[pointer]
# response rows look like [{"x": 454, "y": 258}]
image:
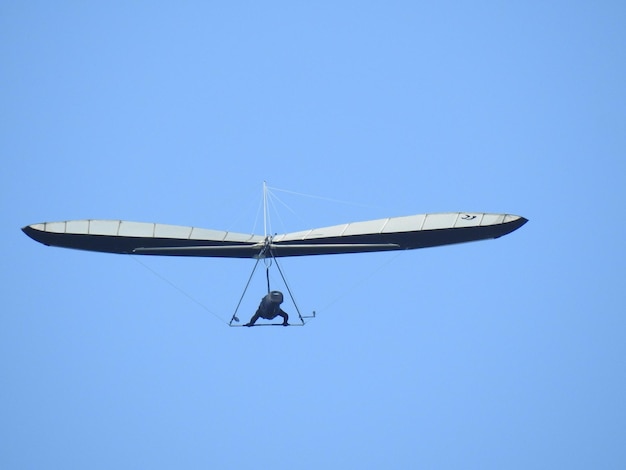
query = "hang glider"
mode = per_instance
[{"x": 394, "y": 233}]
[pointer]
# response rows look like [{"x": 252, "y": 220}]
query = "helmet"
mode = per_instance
[{"x": 276, "y": 297}]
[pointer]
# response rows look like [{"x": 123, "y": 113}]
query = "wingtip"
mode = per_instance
[
  {"x": 33, "y": 230},
  {"x": 511, "y": 224}
]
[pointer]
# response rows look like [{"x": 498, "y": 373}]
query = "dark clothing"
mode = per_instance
[{"x": 269, "y": 309}]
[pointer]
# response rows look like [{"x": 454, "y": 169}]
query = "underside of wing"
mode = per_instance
[
  {"x": 395, "y": 233},
  {"x": 117, "y": 236}
]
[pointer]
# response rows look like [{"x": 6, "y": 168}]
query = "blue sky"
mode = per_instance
[{"x": 507, "y": 353}]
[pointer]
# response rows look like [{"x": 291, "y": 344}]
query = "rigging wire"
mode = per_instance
[
  {"x": 273, "y": 200},
  {"x": 234, "y": 317},
  {"x": 271, "y": 197},
  {"x": 362, "y": 280},
  {"x": 265, "y": 212},
  {"x": 313, "y": 196},
  {"x": 256, "y": 218},
  {"x": 274, "y": 197},
  {"x": 288, "y": 290},
  {"x": 186, "y": 294}
]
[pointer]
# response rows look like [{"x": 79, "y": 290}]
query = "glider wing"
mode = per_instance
[
  {"x": 118, "y": 236},
  {"x": 397, "y": 233},
  {"x": 394, "y": 233}
]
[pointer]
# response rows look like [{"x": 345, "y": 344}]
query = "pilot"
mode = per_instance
[{"x": 269, "y": 308}]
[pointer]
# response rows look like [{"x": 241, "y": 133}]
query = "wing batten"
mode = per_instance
[{"x": 394, "y": 233}]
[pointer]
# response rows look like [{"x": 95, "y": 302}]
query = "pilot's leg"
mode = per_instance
[
  {"x": 254, "y": 318},
  {"x": 283, "y": 314}
]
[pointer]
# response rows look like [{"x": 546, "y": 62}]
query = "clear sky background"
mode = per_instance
[{"x": 506, "y": 353}]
